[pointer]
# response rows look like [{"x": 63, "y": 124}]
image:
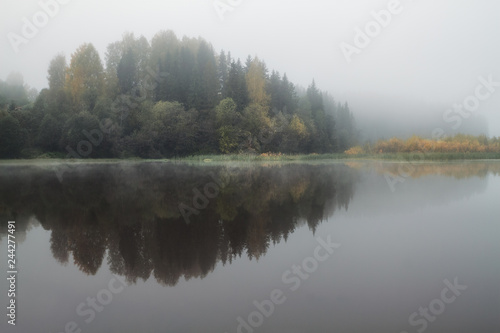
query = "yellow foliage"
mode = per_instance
[
  {"x": 457, "y": 144},
  {"x": 256, "y": 83},
  {"x": 84, "y": 76},
  {"x": 271, "y": 155},
  {"x": 297, "y": 127},
  {"x": 355, "y": 151}
]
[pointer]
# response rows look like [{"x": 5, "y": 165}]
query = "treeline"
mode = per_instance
[
  {"x": 171, "y": 97},
  {"x": 459, "y": 143}
]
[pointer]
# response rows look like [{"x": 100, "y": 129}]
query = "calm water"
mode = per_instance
[{"x": 156, "y": 247}]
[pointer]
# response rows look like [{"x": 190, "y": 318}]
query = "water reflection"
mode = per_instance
[
  {"x": 457, "y": 170},
  {"x": 131, "y": 212},
  {"x": 123, "y": 218}
]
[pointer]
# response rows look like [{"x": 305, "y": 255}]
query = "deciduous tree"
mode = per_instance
[{"x": 84, "y": 78}]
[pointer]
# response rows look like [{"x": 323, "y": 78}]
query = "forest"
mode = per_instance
[{"x": 168, "y": 97}]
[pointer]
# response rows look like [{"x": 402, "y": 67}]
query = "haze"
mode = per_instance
[{"x": 428, "y": 58}]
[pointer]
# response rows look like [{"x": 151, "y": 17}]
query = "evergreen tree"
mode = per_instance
[
  {"x": 127, "y": 72},
  {"x": 236, "y": 85},
  {"x": 222, "y": 73},
  {"x": 206, "y": 86},
  {"x": 57, "y": 73},
  {"x": 289, "y": 96}
]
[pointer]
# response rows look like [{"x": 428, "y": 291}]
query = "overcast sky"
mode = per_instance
[{"x": 430, "y": 51}]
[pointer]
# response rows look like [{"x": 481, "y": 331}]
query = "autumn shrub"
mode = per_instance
[
  {"x": 459, "y": 143},
  {"x": 355, "y": 151}
]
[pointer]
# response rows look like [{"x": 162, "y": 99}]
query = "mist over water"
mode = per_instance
[{"x": 395, "y": 248}]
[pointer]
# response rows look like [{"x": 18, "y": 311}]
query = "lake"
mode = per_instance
[{"x": 354, "y": 246}]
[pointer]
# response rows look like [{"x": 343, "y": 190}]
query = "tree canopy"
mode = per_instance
[{"x": 168, "y": 97}]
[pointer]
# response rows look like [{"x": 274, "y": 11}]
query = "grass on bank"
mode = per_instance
[
  {"x": 342, "y": 156},
  {"x": 411, "y": 157}
]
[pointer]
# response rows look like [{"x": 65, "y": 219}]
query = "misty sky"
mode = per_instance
[{"x": 431, "y": 51}]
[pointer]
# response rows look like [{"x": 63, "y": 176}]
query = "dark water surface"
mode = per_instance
[{"x": 329, "y": 247}]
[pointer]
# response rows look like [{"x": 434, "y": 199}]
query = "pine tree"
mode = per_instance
[{"x": 236, "y": 85}]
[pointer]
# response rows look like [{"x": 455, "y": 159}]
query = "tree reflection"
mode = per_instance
[{"x": 130, "y": 211}]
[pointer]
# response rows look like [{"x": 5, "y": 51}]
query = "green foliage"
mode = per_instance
[
  {"x": 29, "y": 121},
  {"x": 227, "y": 121},
  {"x": 57, "y": 73},
  {"x": 226, "y": 114},
  {"x": 256, "y": 119},
  {"x": 296, "y": 136},
  {"x": 168, "y": 131},
  {"x": 257, "y": 127},
  {"x": 228, "y": 139},
  {"x": 127, "y": 62},
  {"x": 126, "y": 72},
  {"x": 315, "y": 98},
  {"x": 172, "y": 97},
  {"x": 181, "y": 131},
  {"x": 205, "y": 84},
  {"x": 84, "y": 128},
  {"x": 283, "y": 95},
  {"x": 223, "y": 73},
  {"x": 12, "y": 137},
  {"x": 49, "y": 134},
  {"x": 236, "y": 87}
]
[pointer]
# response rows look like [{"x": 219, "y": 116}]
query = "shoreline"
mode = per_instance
[{"x": 215, "y": 159}]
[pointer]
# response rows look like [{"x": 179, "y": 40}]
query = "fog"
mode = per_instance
[{"x": 429, "y": 56}]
